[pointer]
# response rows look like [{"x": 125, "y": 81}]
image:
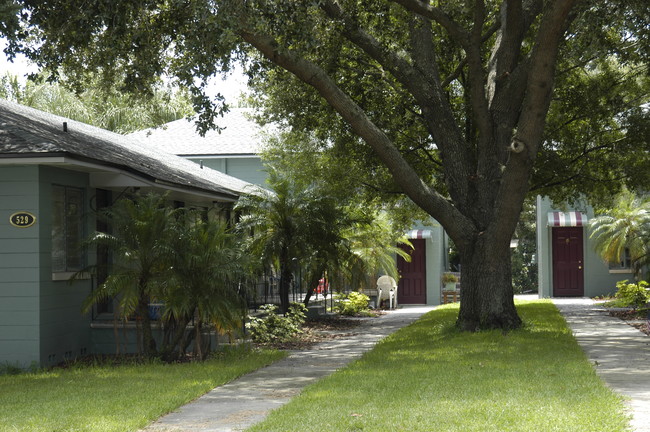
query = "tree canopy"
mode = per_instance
[
  {"x": 109, "y": 109},
  {"x": 447, "y": 100}
]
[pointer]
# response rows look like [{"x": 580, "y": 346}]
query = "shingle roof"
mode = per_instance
[
  {"x": 240, "y": 136},
  {"x": 26, "y": 132}
]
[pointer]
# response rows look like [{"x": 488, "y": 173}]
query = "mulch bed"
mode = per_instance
[{"x": 320, "y": 330}]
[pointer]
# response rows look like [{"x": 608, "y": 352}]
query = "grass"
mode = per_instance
[
  {"x": 114, "y": 398},
  {"x": 430, "y": 377}
]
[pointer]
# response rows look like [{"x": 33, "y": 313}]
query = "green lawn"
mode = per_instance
[
  {"x": 123, "y": 398},
  {"x": 429, "y": 377}
]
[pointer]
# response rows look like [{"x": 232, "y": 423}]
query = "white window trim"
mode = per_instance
[
  {"x": 66, "y": 276},
  {"x": 621, "y": 271}
]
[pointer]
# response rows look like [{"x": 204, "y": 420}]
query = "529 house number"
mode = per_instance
[{"x": 22, "y": 219}]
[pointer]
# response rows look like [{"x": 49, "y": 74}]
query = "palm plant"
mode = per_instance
[
  {"x": 204, "y": 287},
  {"x": 625, "y": 226},
  {"x": 274, "y": 219},
  {"x": 306, "y": 222},
  {"x": 326, "y": 250},
  {"x": 374, "y": 245},
  {"x": 139, "y": 244}
]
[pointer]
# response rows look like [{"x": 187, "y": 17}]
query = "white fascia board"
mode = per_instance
[
  {"x": 221, "y": 156},
  {"x": 33, "y": 160}
]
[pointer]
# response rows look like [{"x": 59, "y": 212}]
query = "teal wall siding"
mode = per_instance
[
  {"x": 598, "y": 278},
  {"x": 215, "y": 164},
  {"x": 65, "y": 331},
  {"x": 436, "y": 257},
  {"x": 19, "y": 268},
  {"x": 249, "y": 169}
]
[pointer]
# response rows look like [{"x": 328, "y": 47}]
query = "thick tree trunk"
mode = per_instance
[{"x": 486, "y": 295}]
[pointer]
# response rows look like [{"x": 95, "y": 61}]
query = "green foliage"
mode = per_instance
[
  {"x": 271, "y": 327},
  {"x": 630, "y": 294},
  {"x": 204, "y": 280},
  {"x": 108, "y": 109},
  {"x": 449, "y": 278},
  {"x": 305, "y": 219},
  {"x": 352, "y": 304},
  {"x": 286, "y": 223},
  {"x": 524, "y": 269},
  {"x": 374, "y": 242},
  {"x": 624, "y": 226},
  {"x": 140, "y": 244},
  {"x": 200, "y": 283},
  {"x": 13, "y": 369}
]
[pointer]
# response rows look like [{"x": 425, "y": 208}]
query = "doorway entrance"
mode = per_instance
[
  {"x": 568, "y": 262},
  {"x": 412, "y": 284}
]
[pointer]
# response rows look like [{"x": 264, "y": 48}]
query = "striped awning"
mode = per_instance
[
  {"x": 418, "y": 234},
  {"x": 566, "y": 219}
]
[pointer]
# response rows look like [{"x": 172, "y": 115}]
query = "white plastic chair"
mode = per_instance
[{"x": 387, "y": 290}]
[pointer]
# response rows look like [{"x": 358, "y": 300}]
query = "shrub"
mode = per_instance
[
  {"x": 449, "y": 278},
  {"x": 14, "y": 369},
  {"x": 635, "y": 295},
  {"x": 272, "y": 327},
  {"x": 353, "y": 304}
]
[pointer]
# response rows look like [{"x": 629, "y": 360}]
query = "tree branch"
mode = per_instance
[
  {"x": 425, "y": 197},
  {"x": 477, "y": 79},
  {"x": 457, "y": 72},
  {"x": 531, "y": 122},
  {"x": 458, "y": 33},
  {"x": 423, "y": 83}
]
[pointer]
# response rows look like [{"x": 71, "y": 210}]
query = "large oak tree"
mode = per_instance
[{"x": 452, "y": 98}]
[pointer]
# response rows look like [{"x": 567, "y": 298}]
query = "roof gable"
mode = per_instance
[
  {"x": 240, "y": 135},
  {"x": 27, "y": 132}
]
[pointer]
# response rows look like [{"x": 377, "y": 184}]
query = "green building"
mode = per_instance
[
  {"x": 567, "y": 263},
  {"x": 54, "y": 175}
]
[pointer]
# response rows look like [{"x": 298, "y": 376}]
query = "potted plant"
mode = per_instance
[{"x": 449, "y": 281}]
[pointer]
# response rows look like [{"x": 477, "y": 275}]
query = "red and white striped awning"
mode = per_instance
[
  {"x": 418, "y": 234},
  {"x": 566, "y": 219}
]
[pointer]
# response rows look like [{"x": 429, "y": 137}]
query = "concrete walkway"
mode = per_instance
[
  {"x": 619, "y": 352},
  {"x": 247, "y": 400}
]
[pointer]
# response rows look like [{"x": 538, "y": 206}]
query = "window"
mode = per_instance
[
  {"x": 625, "y": 265},
  {"x": 67, "y": 229}
]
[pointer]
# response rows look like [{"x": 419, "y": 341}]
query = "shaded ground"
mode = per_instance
[{"x": 639, "y": 319}]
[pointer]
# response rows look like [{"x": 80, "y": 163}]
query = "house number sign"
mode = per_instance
[{"x": 22, "y": 219}]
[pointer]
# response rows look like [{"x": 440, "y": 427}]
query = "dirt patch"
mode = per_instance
[{"x": 320, "y": 330}]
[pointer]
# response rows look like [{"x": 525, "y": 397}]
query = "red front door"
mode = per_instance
[
  {"x": 568, "y": 262},
  {"x": 412, "y": 284}
]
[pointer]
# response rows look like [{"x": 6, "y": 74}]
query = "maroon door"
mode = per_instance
[
  {"x": 412, "y": 284},
  {"x": 568, "y": 262}
]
